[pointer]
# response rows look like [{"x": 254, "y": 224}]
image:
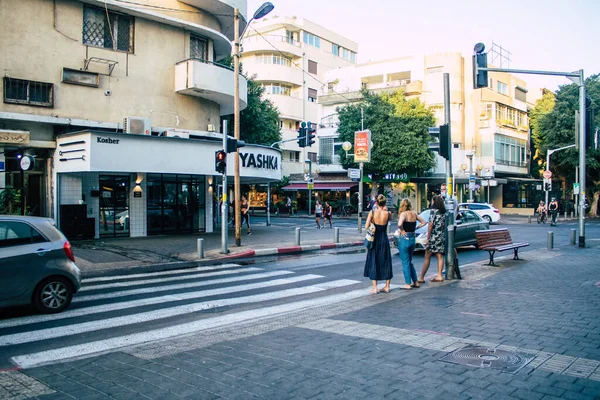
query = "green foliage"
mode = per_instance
[
  {"x": 276, "y": 188},
  {"x": 399, "y": 129},
  {"x": 259, "y": 121},
  {"x": 543, "y": 107},
  {"x": 10, "y": 199},
  {"x": 557, "y": 129}
]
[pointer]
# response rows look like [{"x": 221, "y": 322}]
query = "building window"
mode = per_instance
[
  {"x": 352, "y": 56},
  {"x": 289, "y": 37},
  {"x": 276, "y": 88},
  {"x": 486, "y": 111},
  {"x": 312, "y": 95},
  {"x": 502, "y": 88},
  {"x": 198, "y": 47},
  {"x": 32, "y": 93},
  {"x": 280, "y": 124},
  {"x": 335, "y": 49},
  {"x": 312, "y": 67},
  {"x": 326, "y": 150},
  {"x": 510, "y": 151},
  {"x": 312, "y": 156},
  {"x": 294, "y": 156},
  {"x": 273, "y": 59},
  {"x": 114, "y": 32},
  {"x": 311, "y": 39}
]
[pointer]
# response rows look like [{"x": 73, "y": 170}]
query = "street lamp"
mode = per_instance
[
  {"x": 263, "y": 10},
  {"x": 471, "y": 176}
]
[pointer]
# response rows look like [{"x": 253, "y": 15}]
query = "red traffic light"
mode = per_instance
[
  {"x": 220, "y": 161},
  {"x": 221, "y": 155}
]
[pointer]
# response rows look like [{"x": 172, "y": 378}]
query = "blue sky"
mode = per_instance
[{"x": 546, "y": 35}]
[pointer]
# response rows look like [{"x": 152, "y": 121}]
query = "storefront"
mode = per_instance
[{"x": 112, "y": 185}]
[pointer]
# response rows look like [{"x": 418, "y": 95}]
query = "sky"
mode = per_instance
[{"x": 549, "y": 35}]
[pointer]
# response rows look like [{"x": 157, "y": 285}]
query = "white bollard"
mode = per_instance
[
  {"x": 297, "y": 236},
  {"x": 550, "y": 239},
  {"x": 336, "y": 235},
  {"x": 201, "y": 248}
]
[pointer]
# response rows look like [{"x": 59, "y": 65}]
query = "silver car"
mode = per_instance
[
  {"x": 467, "y": 222},
  {"x": 37, "y": 265}
]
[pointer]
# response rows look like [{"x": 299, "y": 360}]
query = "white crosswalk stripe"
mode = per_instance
[{"x": 113, "y": 312}]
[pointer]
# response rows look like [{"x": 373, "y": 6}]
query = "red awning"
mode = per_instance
[{"x": 322, "y": 186}]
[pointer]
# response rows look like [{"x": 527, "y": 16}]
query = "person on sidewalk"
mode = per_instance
[
  {"x": 318, "y": 213},
  {"x": 378, "y": 265},
  {"x": 327, "y": 214},
  {"x": 245, "y": 207},
  {"x": 288, "y": 206},
  {"x": 436, "y": 239},
  {"x": 407, "y": 223},
  {"x": 553, "y": 209}
]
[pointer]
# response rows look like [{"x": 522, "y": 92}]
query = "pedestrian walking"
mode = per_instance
[
  {"x": 436, "y": 239},
  {"x": 407, "y": 223},
  {"x": 318, "y": 213},
  {"x": 378, "y": 265},
  {"x": 245, "y": 207},
  {"x": 553, "y": 209},
  {"x": 327, "y": 214},
  {"x": 288, "y": 206}
]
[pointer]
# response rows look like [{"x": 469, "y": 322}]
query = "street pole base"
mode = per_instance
[
  {"x": 582, "y": 241},
  {"x": 238, "y": 242}
]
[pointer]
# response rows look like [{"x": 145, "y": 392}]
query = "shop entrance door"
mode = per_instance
[{"x": 114, "y": 206}]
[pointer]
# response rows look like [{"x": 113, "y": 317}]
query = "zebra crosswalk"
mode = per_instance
[{"x": 114, "y": 312}]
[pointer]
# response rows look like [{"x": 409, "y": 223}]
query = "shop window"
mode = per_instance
[
  {"x": 107, "y": 29},
  {"x": 20, "y": 91}
]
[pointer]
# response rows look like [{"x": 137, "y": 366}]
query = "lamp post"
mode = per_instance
[
  {"x": 471, "y": 176},
  {"x": 263, "y": 10},
  {"x": 309, "y": 162}
]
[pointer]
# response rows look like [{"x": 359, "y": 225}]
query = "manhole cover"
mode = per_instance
[{"x": 486, "y": 357}]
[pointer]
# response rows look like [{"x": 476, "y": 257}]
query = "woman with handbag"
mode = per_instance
[
  {"x": 407, "y": 224},
  {"x": 378, "y": 265}
]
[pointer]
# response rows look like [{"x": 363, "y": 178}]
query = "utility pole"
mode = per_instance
[
  {"x": 361, "y": 165},
  {"x": 450, "y": 271},
  {"x": 224, "y": 205},
  {"x": 236, "y": 125},
  {"x": 582, "y": 149}
]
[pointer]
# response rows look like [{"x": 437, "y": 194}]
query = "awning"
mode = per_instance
[{"x": 322, "y": 186}]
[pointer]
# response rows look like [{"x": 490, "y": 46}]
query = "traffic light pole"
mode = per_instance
[
  {"x": 450, "y": 271},
  {"x": 224, "y": 206},
  {"x": 578, "y": 78}
]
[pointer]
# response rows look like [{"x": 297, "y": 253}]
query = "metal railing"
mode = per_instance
[
  {"x": 207, "y": 62},
  {"x": 271, "y": 38}
]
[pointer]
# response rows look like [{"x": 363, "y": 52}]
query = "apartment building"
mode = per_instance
[
  {"x": 489, "y": 125},
  {"x": 111, "y": 110},
  {"x": 290, "y": 56}
]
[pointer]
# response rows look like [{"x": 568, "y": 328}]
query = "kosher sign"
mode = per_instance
[{"x": 362, "y": 146}]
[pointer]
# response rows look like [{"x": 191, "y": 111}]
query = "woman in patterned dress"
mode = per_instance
[{"x": 436, "y": 239}]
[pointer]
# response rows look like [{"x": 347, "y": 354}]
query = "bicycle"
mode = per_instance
[
  {"x": 542, "y": 218},
  {"x": 343, "y": 211}
]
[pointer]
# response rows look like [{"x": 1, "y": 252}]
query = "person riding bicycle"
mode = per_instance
[{"x": 542, "y": 209}]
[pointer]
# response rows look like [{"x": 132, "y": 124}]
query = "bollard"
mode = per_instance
[
  {"x": 571, "y": 214},
  {"x": 336, "y": 235},
  {"x": 201, "y": 248},
  {"x": 529, "y": 219},
  {"x": 297, "y": 236},
  {"x": 573, "y": 235},
  {"x": 550, "y": 240},
  {"x": 565, "y": 215}
]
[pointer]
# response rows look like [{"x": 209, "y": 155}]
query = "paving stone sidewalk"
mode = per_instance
[{"x": 385, "y": 346}]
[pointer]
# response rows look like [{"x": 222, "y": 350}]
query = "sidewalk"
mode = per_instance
[{"x": 109, "y": 256}]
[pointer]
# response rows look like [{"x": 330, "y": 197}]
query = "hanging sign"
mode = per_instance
[{"x": 362, "y": 146}]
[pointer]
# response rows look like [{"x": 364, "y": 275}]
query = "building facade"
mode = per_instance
[
  {"x": 117, "y": 106},
  {"x": 490, "y": 128}
]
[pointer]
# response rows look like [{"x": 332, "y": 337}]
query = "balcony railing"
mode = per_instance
[{"x": 271, "y": 38}]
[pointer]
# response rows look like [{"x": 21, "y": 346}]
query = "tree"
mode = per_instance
[
  {"x": 399, "y": 128},
  {"x": 557, "y": 129},
  {"x": 543, "y": 106},
  {"x": 259, "y": 121}
]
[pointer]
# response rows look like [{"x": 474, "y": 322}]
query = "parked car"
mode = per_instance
[
  {"x": 467, "y": 222},
  {"x": 37, "y": 265},
  {"x": 487, "y": 211}
]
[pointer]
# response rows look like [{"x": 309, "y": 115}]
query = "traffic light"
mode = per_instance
[
  {"x": 480, "y": 77},
  {"x": 302, "y": 135},
  {"x": 310, "y": 135},
  {"x": 220, "y": 161},
  {"x": 548, "y": 186},
  {"x": 442, "y": 146},
  {"x": 233, "y": 144}
]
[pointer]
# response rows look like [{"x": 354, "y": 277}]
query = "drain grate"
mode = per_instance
[{"x": 486, "y": 357}]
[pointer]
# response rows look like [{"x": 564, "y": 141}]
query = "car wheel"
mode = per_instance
[
  {"x": 488, "y": 219},
  {"x": 53, "y": 295}
]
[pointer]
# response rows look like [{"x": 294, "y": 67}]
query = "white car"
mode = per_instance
[{"x": 486, "y": 211}]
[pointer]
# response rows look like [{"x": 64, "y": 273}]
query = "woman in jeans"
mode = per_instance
[{"x": 407, "y": 223}]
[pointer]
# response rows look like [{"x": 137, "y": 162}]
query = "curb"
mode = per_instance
[{"x": 288, "y": 250}]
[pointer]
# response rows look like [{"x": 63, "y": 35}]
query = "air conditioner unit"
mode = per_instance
[
  {"x": 177, "y": 133},
  {"x": 137, "y": 126}
]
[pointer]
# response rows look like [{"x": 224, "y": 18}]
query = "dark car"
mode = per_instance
[
  {"x": 467, "y": 222},
  {"x": 37, "y": 265}
]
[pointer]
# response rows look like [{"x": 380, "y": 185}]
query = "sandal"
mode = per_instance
[
  {"x": 437, "y": 280},
  {"x": 384, "y": 290},
  {"x": 374, "y": 291},
  {"x": 406, "y": 287},
  {"x": 415, "y": 285},
  {"x": 421, "y": 281}
]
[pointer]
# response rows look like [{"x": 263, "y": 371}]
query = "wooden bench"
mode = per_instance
[{"x": 494, "y": 240}]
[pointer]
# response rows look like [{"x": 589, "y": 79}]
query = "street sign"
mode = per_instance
[
  {"x": 576, "y": 188},
  {"x": 489, "y": 182},
  {"x": 472, "y": 182},
  {"x": 547, "y": 174},
  {"x": 449, "y": 186},
  {"x": 311, "y": 186},
  {"x": 353, "y": 173}
]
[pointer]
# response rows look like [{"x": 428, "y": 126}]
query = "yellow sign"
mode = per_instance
[
  {"x": 311, "y": 186},
  {"x": 224, "y": 197},
  {"x": 362, "y": 146},
  {"x": 449, "y": 186}
]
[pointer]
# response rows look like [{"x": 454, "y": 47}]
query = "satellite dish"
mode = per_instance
[{"x": 479, "y": 48}]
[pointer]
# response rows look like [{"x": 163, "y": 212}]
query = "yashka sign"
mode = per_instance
[{"x": 362, "y": 146}]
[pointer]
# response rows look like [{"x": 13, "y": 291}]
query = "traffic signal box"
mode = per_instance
[
  {"x": 442, "y": 145},
  {"x": 220, "y": 161},
  {"x": 480, "y": 78},
  {"x": 302, "y": 135},
  {"x": 310, "y": 135}
]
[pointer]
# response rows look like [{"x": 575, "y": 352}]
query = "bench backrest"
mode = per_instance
[{"x": 493, "y": 237}]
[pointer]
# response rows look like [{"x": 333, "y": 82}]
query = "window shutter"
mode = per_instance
[
  {"x": 312, "y": 67},
  {"x": 312, "y": 93}
]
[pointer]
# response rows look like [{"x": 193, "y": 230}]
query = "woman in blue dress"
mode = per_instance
[{"x": 378, "y": 265}]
